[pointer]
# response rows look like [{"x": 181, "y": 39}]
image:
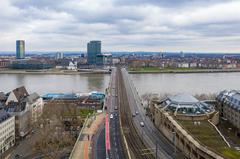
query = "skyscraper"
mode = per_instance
[
  {"x": 93, "y": 50},
  {"x": 20, "y": 49},
  {"x": 59, "y": 55}
]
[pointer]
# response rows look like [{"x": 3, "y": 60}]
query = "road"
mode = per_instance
[
  {"x": 151, "y": 136},
  {"x": 99, "y": 151},
  {"x": 116, "y": 151}
]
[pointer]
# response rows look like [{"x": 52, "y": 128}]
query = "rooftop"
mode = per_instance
[
  {"x": 207, "y": 135},
  {"x": 186, "y": 104},
  {"x": 231, "y": 97},
  {"x": 20, "y": 93},
  {"x": 183, "y": 98},
  {"x": 3, "y": 115}
]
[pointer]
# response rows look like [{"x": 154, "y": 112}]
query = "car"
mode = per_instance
[
  {"x": 142, "y": 124},
  {"x": 133, "y": 115},
  {"x": 115, "y": 107},
  {"x": 111, "y": 116},
  {"x": 137, "y": 112}
]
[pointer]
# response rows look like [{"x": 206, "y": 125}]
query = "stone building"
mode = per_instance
[
  {"x": 175, "y": 116},
  {"x": 228, "y": 104},
  {"x": 7, "y": 131},
  {"x": 25, "y": 107}
]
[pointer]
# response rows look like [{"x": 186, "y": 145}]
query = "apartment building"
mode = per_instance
[
  {"x": 228, "y": 104},
  {"x": 7, "y": 131}
]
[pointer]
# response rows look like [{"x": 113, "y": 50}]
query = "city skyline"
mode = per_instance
[{"x": 189, "y": 26}]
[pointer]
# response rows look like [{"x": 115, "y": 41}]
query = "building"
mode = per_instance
[
  {"x": 31, "y": 64},
  {"x": 7, "y": 131},
  {"x": 25, "y": 107},
  {"x": 72, "y": 65},
  {"x": 228, "y": 104},
  {"x": 183, "y": 106},
  {"x": 20, "y": 49},
  {"x": 4, "y": 63},
  {"x": 93, "y": 50},
  {"x": 59, "y": 55},
  {"x": 183, "y": 119},
  {"x": 35, "y": 103}
]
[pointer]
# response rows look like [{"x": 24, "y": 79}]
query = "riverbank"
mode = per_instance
[
  {"x": 184, "y": 71},
  {"x": 53, "y": 72}
]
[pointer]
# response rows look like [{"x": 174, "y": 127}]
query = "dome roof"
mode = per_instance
[{"x": 186, "y": 104}]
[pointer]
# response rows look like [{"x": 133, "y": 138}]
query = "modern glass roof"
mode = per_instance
[{"x": 186, "y": 104}]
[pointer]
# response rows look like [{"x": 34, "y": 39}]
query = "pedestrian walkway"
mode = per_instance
[{"x": 82, "y": 149}]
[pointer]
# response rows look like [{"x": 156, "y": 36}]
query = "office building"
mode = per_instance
[
  {"x": 7, "y": 131},
  {"x": 59, "y": 55},
  {"x": 20, "y": 49},
  {"x": 93, "y": 50}
]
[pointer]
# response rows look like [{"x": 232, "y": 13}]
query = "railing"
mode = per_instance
[{"x": 75, "y": 145}]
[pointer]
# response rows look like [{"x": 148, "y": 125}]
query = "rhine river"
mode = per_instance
[
  {"x": 43, "y": 84},
  {"x": 194, "y": 83}
]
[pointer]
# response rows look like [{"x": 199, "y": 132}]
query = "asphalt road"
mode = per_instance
[
  {"x": 116, "y": 151},
  {"x": 99, "y": 144},
  {"x": 149, "y": 133}
]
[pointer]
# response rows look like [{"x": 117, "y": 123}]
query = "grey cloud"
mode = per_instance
[{"x": 140, "y": 24}]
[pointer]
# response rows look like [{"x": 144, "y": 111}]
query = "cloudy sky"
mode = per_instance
[{"x": 122, "y": 25}]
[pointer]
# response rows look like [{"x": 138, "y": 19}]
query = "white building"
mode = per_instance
[
  {"x": 59, "y": 55},
  {"x": 183, "y": 65},
  {"x": 26, "y": 109},
  {"x": 35, "y": 103},
  {"x": 72, "y": 66},
  {"x": 7, "y": 131}
]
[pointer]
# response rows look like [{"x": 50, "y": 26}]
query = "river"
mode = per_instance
[
  {"x": 194, "y": 83},
  {"x": 55, "y": 83}
]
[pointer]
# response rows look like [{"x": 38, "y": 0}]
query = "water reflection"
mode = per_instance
[
  {"x": 195, "y": 83},
  {"x": 54, "y": 83},
  {"x": 96, "y": 82}
]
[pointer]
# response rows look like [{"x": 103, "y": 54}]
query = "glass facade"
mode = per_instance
[
  {"x": 93, "y": 50},
  {"x": 20, "y": 49}
]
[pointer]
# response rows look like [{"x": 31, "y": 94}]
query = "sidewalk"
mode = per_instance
[{"x": 84, "y": 143}]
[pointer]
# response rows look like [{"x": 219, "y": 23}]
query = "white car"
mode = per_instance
[
  {"x": 111, "y": 116},
  {"x": 142, "y": 124}
]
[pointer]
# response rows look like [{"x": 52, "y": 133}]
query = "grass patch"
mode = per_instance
[
  {"x": 79, "y": 112},
  {"x": 231, "y": 153},
  {"x": 229, "y": 131},
  {"x": 206, "y": 134}
]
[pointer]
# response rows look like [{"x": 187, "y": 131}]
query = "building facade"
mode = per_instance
[
  {"x": 168, "y": 116},
  {"x": 7, "y": 131},
  {"x": 93, "y": 50},
  {"x": 25, "y": 107},
  {"x": 20, "y": 49},
  {"x": 228, "y": 104},
  {"x": 59, "y": 55}
]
